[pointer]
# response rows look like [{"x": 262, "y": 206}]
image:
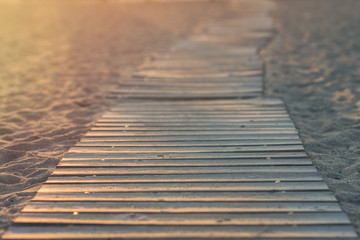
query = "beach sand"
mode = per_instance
[
  {"x": 58, "y": 59},
  {"x": 314, "y": 65}
]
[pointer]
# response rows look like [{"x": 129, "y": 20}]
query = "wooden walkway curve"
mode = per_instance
[{"x": 192, "y": 151}]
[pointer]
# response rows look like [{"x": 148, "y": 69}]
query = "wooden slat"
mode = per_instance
[
  {"x": 205, "y": 56},
  {"x": 190, "y": 85},
  {"x": 214, "y": 125},
  {"x": 219, "y": 138},
  {"x": 214, "y": 177},
  {"x": 204, "y": 143},
  {"x": 279, "y": 128},
  {"x": 230, "y": 49},
  {"x": 181, "y": 162},
  {"x": 181, "y": 94},
  {"x": 194, "y": 122},
  {"x": 177, "y": 112},
  {"x": 204, "y": 104},
  {"x": 206, "y": 68},
  {"x": 233, "y": 219},
  {"x": 192, "y": 117},
  {"x": 200, "y": 109},
  {"x": 186, "y": 91},
  {"x": 224, "y": 39},
  {"x": 271, "y": 103},
  {"x": 240, "y": 123},
  {"x": 184, "y": 186},
  {"x": 241, "y": 115},
  {"x": 254, "y": 81},
  {"x": 240, "y": 67},
  {"x": 289, "y": 232},
  {"x": 156, "y": 74},
  {"x": 188, "y": 134},
  {"x": 166, "y": 150},
  {"x": 178, "y": 207},
  {"x": 181, "y": 170},
  {"x": 200, "y": 131},
  {"x": 270, "y": 196},
  {"x": 240, "y": 50},
  {"x": 145, "y": 156}
]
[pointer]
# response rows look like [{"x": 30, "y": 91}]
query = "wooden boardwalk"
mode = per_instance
[
  {"x": 187, "y": 155},
  {"x": 225, "y": 169}
]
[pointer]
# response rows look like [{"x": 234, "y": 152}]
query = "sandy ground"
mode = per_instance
[
  {"x": 314, "y": 65},
  {"x": 57, "y": 61}
]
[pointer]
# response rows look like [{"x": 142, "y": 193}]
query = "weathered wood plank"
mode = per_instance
[
  {"x": 179, "y": 207},
  {"x": 243, "y": 63},
  {"x": 182, "y": 64},
  {"x": 190, "y": 117},
  {"x": 203, "y": 105},
  {"x": 214, "y": 126},
  {"x": 289, "y": 232},
  {"x": 156, "y": 74},
  {"x": 184, "y": 186},
  {"x": 240, "y": 130},
  {"x": 166, "y": 150},
  {"x": 131, "y": 93},
  {"x": 194, "y": 178},
  {"x": 205, "y": 112},
  {"x": 200, "y": 110},
  {"x": 203, "y": 57},
  {"x": 225, "y": 103},
  {"x": 206, "y": 59},
  {"x": 255, "y": 81},
  {"x": 229, "y": 49},
  {"x": 172, "y": 90},
  {"x": 235, "y": 83},
  {"x": 168, "y": 83},
  {"x": 148, "y": 156},
  {"x": 134, "y": 106},
  {"x": 181, "y": 170},
  {"x": 199, "y": 121},
  {"x": 122, "y": 127},
  {"x": 219, "y": 138},
  {"x": 257, "y": 103},
  {"x": 204, "y": 143},
  {"x": 199, "y": 124},
  {"x": 193, "y": 133},
  {"x": 233, "y": 219},
  {"x": 241, "y": 115},
  {"x": 240, "y": 51},
  {"x": 194, "y": 163},
  {"x": 273, "y": 196}
]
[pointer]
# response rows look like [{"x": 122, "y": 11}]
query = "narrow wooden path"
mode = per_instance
[{"x": 191, "y": 151}]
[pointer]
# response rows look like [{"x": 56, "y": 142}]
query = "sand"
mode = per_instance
[
  {"x": 314, "y": 65},
  {"x": 58, "y": 60}
]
